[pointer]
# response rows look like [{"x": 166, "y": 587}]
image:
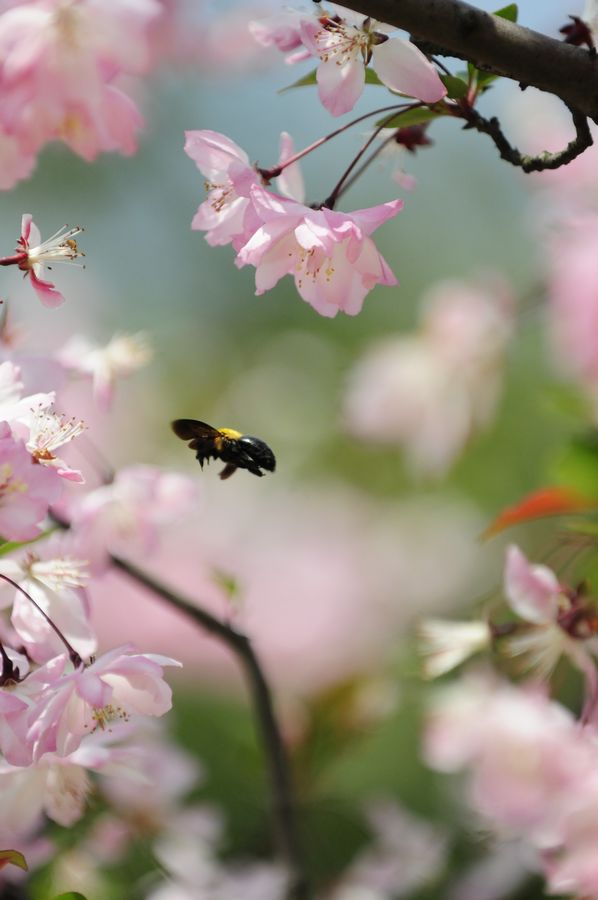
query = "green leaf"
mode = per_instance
[
  {"x": 410, "y": 117},
  {"x": 9, "y": 546},
  {"x": 456, "y": 87},
  {"x": 70, "y": 895},
  {"x": 311, "y": 78},
  {"x": 509, "y": 12},
  {"x": 577, "y": 467},
  {"x": 371, "y": 77},
  {"x": 304, "y": 81},
  {"x": 14, "y": 858}
]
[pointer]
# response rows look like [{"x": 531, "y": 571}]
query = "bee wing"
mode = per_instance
[{"x": 190, "y": 429}]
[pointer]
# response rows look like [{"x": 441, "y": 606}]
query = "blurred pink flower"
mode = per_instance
[
  {"x": 533, "y": 591},
  {"x": 406, "y": 853},
  {"x": 445, "y": 644},
  {"x": 560, "y": 622},
  {"x": 14, "y": 408},
  {"x": 26, "y": 489},
  {"x": 573, "y": 294},
  {"x": 126, "y": 515},
  {"x": 430, "y": 392},
  {"x": 531, "y": 771},
  {"x": 121, "y": 356},
  {"x": 524, "y": 751},
  {"x": 283, "y": 31},
  {"x": 325, "y": 568},
  {"x": 59, "y": 62},
  {"x": 344, "y": 49},
  {"x": 330, "y": 254}
]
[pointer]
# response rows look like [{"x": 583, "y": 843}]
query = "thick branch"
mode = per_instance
[
  {"x": 276, "y": 756},
  {"x": 496, "y": 44}
]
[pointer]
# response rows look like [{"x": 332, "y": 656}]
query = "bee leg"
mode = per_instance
[
  {"x": 228, "y": 470},
  {"x": 245, "y": 461}
]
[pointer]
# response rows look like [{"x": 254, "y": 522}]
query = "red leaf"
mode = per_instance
[
  {"x": 12, "y": 857},
  {"x": 548, "y": 501}
]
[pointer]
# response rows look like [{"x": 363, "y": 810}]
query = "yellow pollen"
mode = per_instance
[{"x": 104, "y": 715}]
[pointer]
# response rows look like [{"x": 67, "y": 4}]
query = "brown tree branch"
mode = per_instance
[
  {"x": 495, "y": 44},
  {"x": 277, "y": 762},
  {"x": 283, "y": 806},
  {"x": 545, "y": 160}
]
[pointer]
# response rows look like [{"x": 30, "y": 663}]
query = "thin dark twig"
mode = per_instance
[
  {"x": 277, "y": 762},
  {"x": 365, "y": 165},
  {"x": 338, "y": 188},
  {"x": 275, "y": 171},
  {"x": 491, "y": 127},
  {"x": 283, "y": 806},
  {"x": 73, "y": 655}
]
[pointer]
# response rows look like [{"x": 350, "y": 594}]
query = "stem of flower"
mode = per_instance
[
  {"x": 374, "y": 155},
  {"x": 275, "y": 171},
  {"x": 13, "y": 260},
  {"x": 73, "y": 655},
  {"x": 331, "y": 200}
]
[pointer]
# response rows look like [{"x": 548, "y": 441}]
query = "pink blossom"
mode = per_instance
[
  {"x": 573, "y": 293},
  {"x": 118, "y": 685},
  {"x": 530, "y": 770},
  {"x": 533, "y": 591},
  {"x": 525, "y": 753},
  {"x": 55, "y": 584},
  {"x": 405, "y": 854},
  {"x": 16, "y": 701},
  {"x": 121, "y": 356},
  {"x": 281, "y": 30},
  {"x": 344, "y": 49},
  {"x": 558, "y": 621},
  {"x": 49, "y": 431},
  {"x": 126, "y": 515},
  {"x": 26, "y": 489},
  {"x": 59, "y": 64},
  {"x": 332, "y": 258},
  {"x": 61, "y": 247},
  {"x": 431, "y": 391},
  {"x": 290, "y": 182},
  {"x": 16, "y": 163},
  {"x": 227, "y": 214},
  {"x": 14, "y": 407}
]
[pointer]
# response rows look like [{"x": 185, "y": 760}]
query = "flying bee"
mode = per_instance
[{"x": 238, "y": 451}]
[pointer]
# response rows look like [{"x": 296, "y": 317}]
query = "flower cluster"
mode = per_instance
[
  {"x": 554, "y": 620},
  {"x": 330, "y": 254},
  {"x": 344, "y": 43},
  {"x": 63, "y": 712},
  {"x": 62, "y": 63},
  {"x": 531, "y": 773}
]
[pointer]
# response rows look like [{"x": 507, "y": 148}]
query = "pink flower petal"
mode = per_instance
[
  {"x": 46, "y": 291},
  {"x": 402, "y": 67},
  {"x": 532, "y": 591},
  {"x": 340, "y": 86}
]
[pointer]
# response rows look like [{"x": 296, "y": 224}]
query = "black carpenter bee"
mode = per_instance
[{"x": 238, "y": 451}]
